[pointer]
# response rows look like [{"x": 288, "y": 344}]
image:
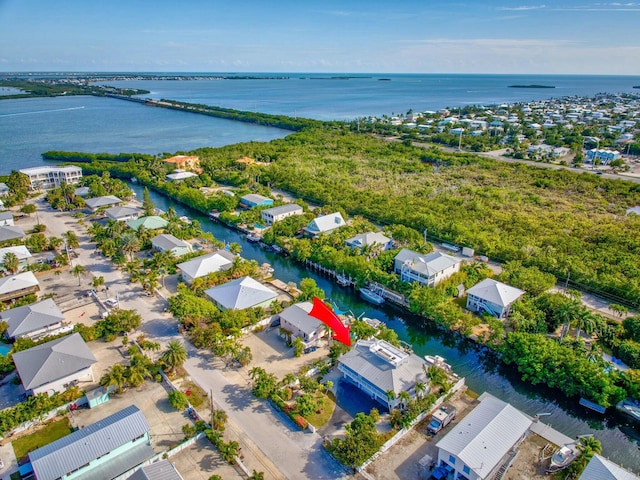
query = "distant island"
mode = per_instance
[
  {"x": 636, "y": 86},
  {"x": 532, "y": 86}
]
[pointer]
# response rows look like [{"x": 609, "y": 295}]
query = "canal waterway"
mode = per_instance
[{"x": 483, "y": 372}]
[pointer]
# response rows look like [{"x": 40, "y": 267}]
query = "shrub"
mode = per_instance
[
  {"x": 301, "y": 422},
  {"x": 178, "y": 400}
]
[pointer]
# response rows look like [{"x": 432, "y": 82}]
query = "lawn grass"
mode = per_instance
[
  {"x": 50, "y": 433},
  {"x": 326, "y": 406},
  {"x": 197, "y": 395}
]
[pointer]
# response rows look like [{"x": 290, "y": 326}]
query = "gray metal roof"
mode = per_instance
[
  {"x": 10, "y": 232},
  {"x": 496, "y": 292},
  {"x": 87, "y": 444},
  {"x": 97, "y": 202},
  {"x": 599, "y": 468},
  {"x": 6, "y": 215},
  {"x": 430, "y": 264},
  {"x": 298, "y": 316},
  {"x": 29, "y": 318},
  {"x": 484, "y": 436},
  {"x": 326, "y": 223},
  {"x": 118, "y": 212},
  {"x": 369, "y": 238},
  {"x": 241, "y": 293},
  {"x": 385, "y": 366},
  {"x": 162, "y": 470},
  {"x": 254, "y": 198},
  {"x": 213, "y": 262},
  {"x": 289, "y": 207},
  {"x": 13, "y": 283},
  {"x": 166, "y": 241},
  {"x": 53, "y": 360}
]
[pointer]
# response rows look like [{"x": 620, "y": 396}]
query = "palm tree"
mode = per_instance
[
  {"x": 129, "y": 244},
  {"x": 421, "y": 389},
  {"x": 405, "y": 397},
  {"x": 175, "y": 355},
  {"x": 55, "y": 243},
  {"x": 77, "y": 271},
  {"x": 71, "y": 239},
  {"x": 114, "y": 377},
  {"x": 391, "y": 396},
  {"x": 11, "y": 262}
]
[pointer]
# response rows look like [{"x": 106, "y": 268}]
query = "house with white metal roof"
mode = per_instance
[
  {"x": 123, "y": 214},
  {"x": 325, "y": 224},
  {"x": 370, "y": 239},
  {"x": 179, "y": 175},
  {"x": 19, "y": 285},
  {"x": 492, "y": 297},
  {"x": 19, "y": 251},
  {"x": 599, "y": 468},
  {"x": 240, "y": 294},
  {"x": 4, "y": 189},
  {"x": 275, "y": 214},
  {"x": 162, "y": 470},
  {"x": 166, "y": 242},
  {"x": 296, "y": 319},
  {"x": 102, "y": 450},
  {"x": 376, "y": 367},
  {"x": 206, "y": 264},
  {"x": 633, "y": 210},
  {"x": 6, "y": 218},
  {"x": 33, "y": 321},
  {"x": 55, "y": 365},
  {"x": 428, "y": 269},
  {"x": 10, "y": 232},
  {"x": 98, "y": 202},
  {"x": 478, "y": 445}
]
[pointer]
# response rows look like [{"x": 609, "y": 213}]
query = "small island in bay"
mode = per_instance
[
  {"x": 636, "y": 86},
  {"x": 532, "y": 86}
]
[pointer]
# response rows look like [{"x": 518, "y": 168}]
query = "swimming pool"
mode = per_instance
[{"x": 4, "y": 349}]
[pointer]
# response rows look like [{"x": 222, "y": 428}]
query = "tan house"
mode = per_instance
[{"x": 185, "y": 162}]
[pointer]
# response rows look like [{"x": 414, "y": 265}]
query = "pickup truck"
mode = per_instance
[{"x": 441, "y": 418}]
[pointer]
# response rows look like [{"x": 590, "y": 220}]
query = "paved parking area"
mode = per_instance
[{"x": 201, "y": 460}]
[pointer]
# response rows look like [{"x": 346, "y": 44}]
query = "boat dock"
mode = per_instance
[
  {"x": 550, "y": 434},
  {"x": 340, "y": 278}
]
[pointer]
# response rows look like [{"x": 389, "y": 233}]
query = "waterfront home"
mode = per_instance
[
  {"x": 151, "y": 222},
  {"x": 206, "y": 264},
  {"x": 50, "y": 177},
  {"x": 378, "y": 368},
  {"x": 6, "y": 218},
  {"x": 184, "y": 162},
  {"x": 180, "y": 175},
  {"x": 633, "y": 210},
  {"x": 370, "y": 239},
  {"x": 428, "y": 269},
  {"x": 4, "y": 189},
  {"x": 492, "y": 297},
  {"x": 254, "y": 200},
  {"x": 161, "y": 470},
  {"x": 166, "y": 242},
  {"x": 17, "y": 286},
  {"x": 55, "y": 366},
  {"x": 240, "y": 294},
  {"x": 19, "y": 251},
  {"x": 123, "y": 214},
  {"x": 10, "y": 232},
  {"x": 599, "y": 468},
  {"x": 275, "y": 214},
  {"x": 324, "y": 224},
  {"x": 482, "y": 441},
  {"x": 297, "y": 321},
  {"x": 96, "y": 203},
  {"x": 33, "y": 321},
  {"x": 104, "y": 449}
]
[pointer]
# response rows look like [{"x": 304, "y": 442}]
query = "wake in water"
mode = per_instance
[{"x": 41, "y": 111}]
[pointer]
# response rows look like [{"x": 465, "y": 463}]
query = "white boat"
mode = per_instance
[
  {"x": 252, "y": 238},
  {"x": 343, "y": 280},
  {"x": 563, "y": 457},
  {"x": 371, "y": 296},
  {"x": 629, "y": 407}
]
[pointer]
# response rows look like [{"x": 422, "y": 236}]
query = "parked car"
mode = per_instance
[
  {"x": 111, "y": 302},
  {"x": 441, "y": 418}
]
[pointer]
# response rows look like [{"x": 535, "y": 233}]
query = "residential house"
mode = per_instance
[
  {"x": 55, "y": 366},
  {"x": 633, "y": 210},
  {"x": 325, "y": 224},
  {"x": 376, "y": 367},
  {"x": 479, "y": 444},
  {"x": 82, "y": 192},
  {"x": 6, "y": 218},
  {"x": 605, "y": 156},
  {"x": 206, "y": 264},
  {"x": 96, "y": 203},
  {"x": 492, "y": 297},
  {"x": 428, "y": 269},
  {"x": 50, "y": 177},
  {"x": 161, "y": 470},
  {"x": 19, "y": 251},
  {"x": 185, "y": 162},
  {"x": 33, "y": 321},
  {"x": 296, "y": 319},
  {"x": 151, "y": 222},
  {"x": 17, "y": 286},
  {"x": 10, "y": 232},
  {"x": 123, "y": 214},
  {"x": 179, "y": 175},
  {"x": 168, "y": 243},
  {"x": 4, "y": 189},
  {"x": 275, "y": 214},
  {"x": 105, "y": 449},
  {"x": 240, "y": 294},
  {"x": 599, "y": 468},
  {"x": 254, "y": 200},
  {"x": 370, "y": 239}
]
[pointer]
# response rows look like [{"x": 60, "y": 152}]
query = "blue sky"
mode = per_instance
[{"x": 407, "y": 36}]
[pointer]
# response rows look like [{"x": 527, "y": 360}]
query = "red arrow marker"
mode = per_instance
[{"x": 327, "y": 316}]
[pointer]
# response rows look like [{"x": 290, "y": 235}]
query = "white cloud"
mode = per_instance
[{"x": 522, "y": 8}]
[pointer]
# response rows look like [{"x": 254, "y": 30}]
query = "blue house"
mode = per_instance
[
  {"x": 105, "y": 449},
  {"x": 254, "y": 200}
]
